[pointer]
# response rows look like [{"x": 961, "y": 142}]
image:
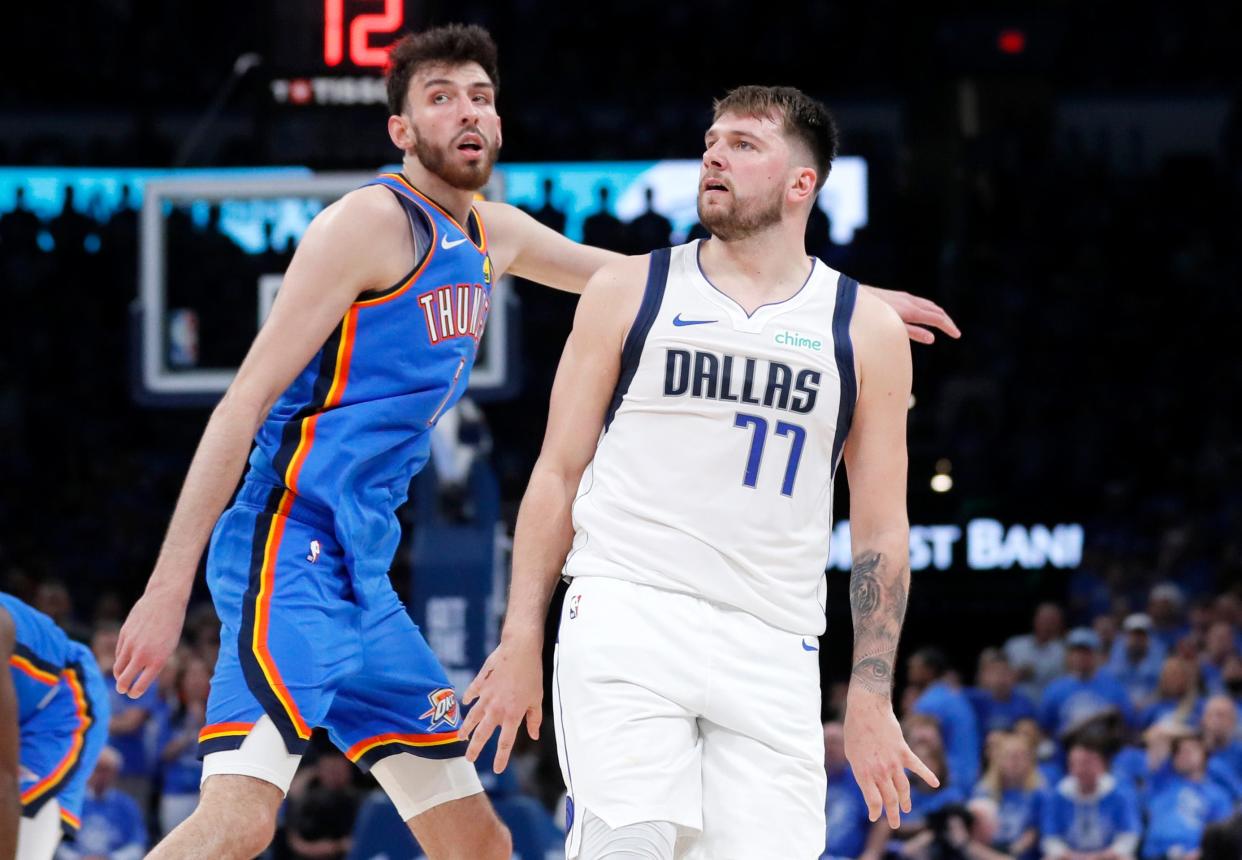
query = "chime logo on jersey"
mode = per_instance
[
  {"x": 456, "y": 310},
  {"x": 443, "y": 709}
]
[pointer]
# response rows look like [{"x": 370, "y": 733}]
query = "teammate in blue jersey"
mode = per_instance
[
  {"x": 371, "y": 338},
  {"x": 53, "y": 725}
]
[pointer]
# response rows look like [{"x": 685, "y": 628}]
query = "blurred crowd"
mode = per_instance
[
  {"x": 1115, "y": 740},
  {"x": 1111, "y": 740}
]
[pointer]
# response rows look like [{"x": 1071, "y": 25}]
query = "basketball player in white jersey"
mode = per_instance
[{"x": 702, "y": 405}]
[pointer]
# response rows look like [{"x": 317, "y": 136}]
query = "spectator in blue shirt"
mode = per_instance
[
  {"x": 1087, "y": 814},
  {"x": 1136, "y": 659},
  {"x": 180, "y": 767},
  {"x": 1047, "y": 755},
  {"x": 1039, "y": 656},
  {"x": 112, "y": 824},
  {"x": 127, "y": 730},
  {"x": 1179, "y": 698},
  {"x": 1219, "y": 725},
  {"x": 1184, "y": 804},
  {"x": 998, "y": 706},
  {"x": 926, "y": 669},
  {"x": 1231, "y": 679},
  {"x": 1085, "y": 691},
  {"x": 1013, "y": 782},
  {"x": 1166, "y": 605},
  {"x": 845, "y": 808},
  {"x": 1219, "y": 645}
]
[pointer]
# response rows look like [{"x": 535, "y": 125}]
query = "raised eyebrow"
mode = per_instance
[{"x": 445, "y": 82}]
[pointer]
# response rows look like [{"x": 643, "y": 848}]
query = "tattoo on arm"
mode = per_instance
[{"x": 878, "y": 593}]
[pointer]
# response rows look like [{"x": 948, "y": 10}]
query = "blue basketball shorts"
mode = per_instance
[
  {"x": 60, "y": 745},
  {"x": 296, "y": 644},
  {"x": 86, "y": 673}
]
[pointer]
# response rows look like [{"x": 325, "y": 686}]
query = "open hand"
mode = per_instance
[
  {"x": 879, "y": 757},
  {"x": 148, "y": 637},
  {"x": 509, "y": 688},
  {"x": 917, "y": 312}
]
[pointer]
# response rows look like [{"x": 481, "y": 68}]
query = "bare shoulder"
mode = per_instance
[
  {"x": 876, "y": 323},
  {"x": 363, "y": 241},
  {"x": 881, "y": 346},
  {"x": 623, "y": 272},
  {"x": 613, "y": 296},
  {"x": 619, "y": 284},
  {"x": 365, "y": 210}
]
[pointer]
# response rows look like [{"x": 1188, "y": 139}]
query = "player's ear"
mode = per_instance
[
  {"x": 802, "y": 184},
  {"x": 500, "y": 138},
  {"x": 400, "y": 133}
]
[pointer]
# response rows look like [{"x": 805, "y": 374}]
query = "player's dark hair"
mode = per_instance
[
  {"x": 452, "y": 44},
  {"x": 802, "y": 117}
]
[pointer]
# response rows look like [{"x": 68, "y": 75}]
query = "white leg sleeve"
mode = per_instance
[
  {"x": 262, "y": 755},
  {"x": 644, "y": 840},
  {"x": 415, "y": 784},
  {"x": 38, "y": 837}
]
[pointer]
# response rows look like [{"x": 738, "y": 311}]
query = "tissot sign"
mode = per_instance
[{"x": 980, "y": 544}]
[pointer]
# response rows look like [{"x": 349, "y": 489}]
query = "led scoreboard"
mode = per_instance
[{"x": 332, "y": 52}]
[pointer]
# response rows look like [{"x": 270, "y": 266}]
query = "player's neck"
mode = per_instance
[
  {"x": 454, "y": 201},
  {"x": 768, "y": 266}
]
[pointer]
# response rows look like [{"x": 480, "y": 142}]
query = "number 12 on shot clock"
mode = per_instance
[
  {"x": 759, "y": 436},
  {"x": 361, "y": 53}
]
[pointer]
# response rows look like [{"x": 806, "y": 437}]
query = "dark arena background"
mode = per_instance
[{"x": 1065, "y": 179}]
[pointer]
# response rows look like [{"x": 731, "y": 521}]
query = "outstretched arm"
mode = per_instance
[
  {"x": 875, "y": 456},
  {"x": 10, "y": 744},
  {"x": 522, "y": 246},
  {"x": 509, "y": 687}
]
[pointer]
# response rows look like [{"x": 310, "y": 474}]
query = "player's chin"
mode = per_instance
[{"x": 471, "y": 175}]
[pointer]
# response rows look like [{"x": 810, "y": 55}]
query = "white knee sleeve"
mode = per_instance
[
  {"x": 415, "y": 784},
  {"x": 38, "y": 837},
  {"x": 644, "y": 840},
  {"x": 262, "y": 755}
]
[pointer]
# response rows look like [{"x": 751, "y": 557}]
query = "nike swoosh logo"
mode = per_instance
[
  {"x": 806, "y": 647},
  {"x": 678, "y": 321},
  {"x": 447, "y": 245}
]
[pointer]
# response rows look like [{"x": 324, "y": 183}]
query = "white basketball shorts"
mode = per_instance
[{"x": 672, "y": 708}]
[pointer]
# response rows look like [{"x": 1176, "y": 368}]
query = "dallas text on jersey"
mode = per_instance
[{"x": 715, "y": 377}]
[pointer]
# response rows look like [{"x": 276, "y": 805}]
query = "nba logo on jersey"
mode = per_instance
[
  {"x": 314, "y": 552},
  {"x": 573, "y": 605},
  {"x": 443, "y": 709}
]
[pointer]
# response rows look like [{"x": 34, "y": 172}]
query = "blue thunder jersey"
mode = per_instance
[
  {"x": 354, "y": 427},
  {"x": 38, "y": 660}
]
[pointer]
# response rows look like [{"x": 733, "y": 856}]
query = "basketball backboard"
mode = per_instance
[{"x": 213, "y": 252}]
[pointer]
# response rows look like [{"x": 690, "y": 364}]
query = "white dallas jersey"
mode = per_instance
[{"x": 714, "y": 473}]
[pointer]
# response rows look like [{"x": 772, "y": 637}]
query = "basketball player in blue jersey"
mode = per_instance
[
  {"x": 702, "y": 404},
  {"x": 53, "y": 725},
  {"x": 370, "y": 340}
]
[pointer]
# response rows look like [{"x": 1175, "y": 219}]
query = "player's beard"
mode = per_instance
[
  {"x": 470, "y": 176},
  {"x": 741, "y": 218}
]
